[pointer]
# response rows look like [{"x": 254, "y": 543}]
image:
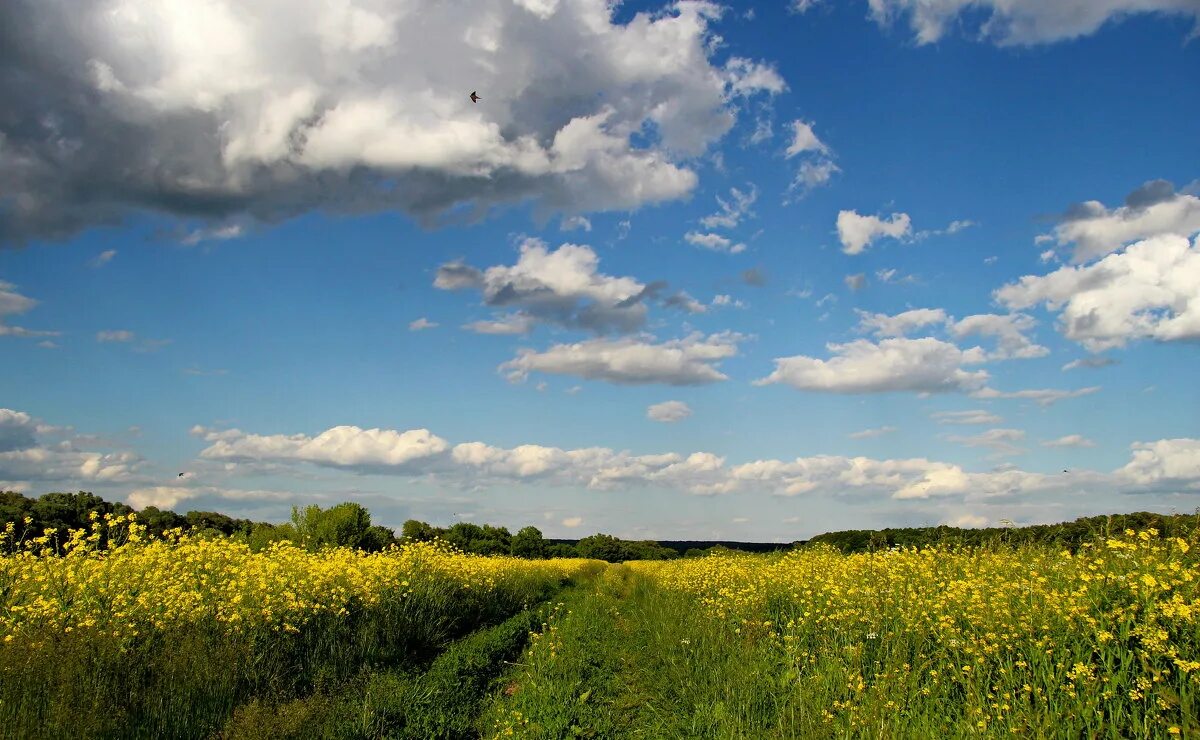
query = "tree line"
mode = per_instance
[{"x": 349, "y": 525}]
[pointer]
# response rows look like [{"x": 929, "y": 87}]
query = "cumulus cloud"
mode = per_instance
[
  {"x": 1151, "y": 290},
  {"x": 1164, "y": 462},
  {"x": 509, "y": 324},
  {"x": 898, "y": 325},
  {"x": 220, "y": 111},
  {"x": 168, "y": 497},
  {"x": 348, "y": 447},
  {"x": 631, "y": 361},
  {"x": 1018, "y": 22},
  {"x": 925, "y": 365},
  {"x": 857, "y": 232},
  {"x": 472, "y": 464},
  {"x": 1009, "y": 332},
  {"x": 13, "y": 303},
  {"x": 26, "y": 456},
  {"x": 562, "y": 286},
  {"x": 1070, "y": 440},
  {"x": 421, "y": 324},
  {"x": 714, "y": 242},
  {"x": 732, "y": 210},
  {"x": 970, "y": 416},
  {"x": 1153, "y": 209},
  {"x": 816, "y": 167},
  {"x": 668, "y": 411}
]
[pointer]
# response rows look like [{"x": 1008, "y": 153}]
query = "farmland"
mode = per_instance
[{"x": 190, "y": 636}]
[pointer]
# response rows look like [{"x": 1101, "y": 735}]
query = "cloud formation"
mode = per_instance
[
  {"x": 668, "y": 411},
  {"x": 219, "y": 111},
  {"x": 1150, "y": 290},
  {"x": 1154, "y": 209},
  {"x": 691, "y": 360},
  {"x": 857, "y": 232},
  {"x": 13, "y": 303},
  {"x": 1017, "y": 22}
]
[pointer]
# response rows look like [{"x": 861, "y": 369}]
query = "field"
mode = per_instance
[{"x": 201, "y": 637}]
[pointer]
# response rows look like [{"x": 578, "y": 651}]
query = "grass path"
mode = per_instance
[{"x": 623, "y": 659}]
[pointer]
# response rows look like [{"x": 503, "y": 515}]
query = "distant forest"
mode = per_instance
[{"x": 349, "y": 525}]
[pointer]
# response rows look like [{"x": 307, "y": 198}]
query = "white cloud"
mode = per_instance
[
  {"x": 1151, "y": 290},
  {"x": 925, "y": 365},
  {"x": 213, "y": 234},
  {"x": 338, "y": 447},
  {"x": 872, "y": 433},
  {"x": 1000, "y": 441},
  {"x": 25, "y": 456},
  {"x": 421, "y": 324},
  {"x": 883, "y": 325},
  {"x": 1070, "y": 440},
  {"x": 358, "y": 105},
  {"x": 722, "y": 299},
  {"x": 1165, "y": 461},
  {"x": 571, "y": 223},
  {"x": 562, "y": 286},
  {"x": 628, "y": 361},
  {"x": 1040, "y": 396},
  {"x": 572, "y": 521},
  {"x": 804, "y": 140},
  {"x": 510, "y": 324},
  {"x": 103, "y": 258},
  {"x": 1174, "y": 463},
  {"x": 857, "y": 232},
  {"x": 732, "y": 211},
  {"x": 1091, "y": 362},
  {"x": 856, "y": 282},
  {"x": 115, "y": 335},
  {"x": 668, "y": 411},
  {"x": 13, "y": 303},
  {"x": 953, "y": 228},
  {"x": 1154, "y": 209},
  {"x": 1009, "y": 331},
  {"x": 714, "y": 242},
  {"x": 168, "y": 497},
  {"x": 1018, "y": 22},
  {"x": 968, "y": 521},
  {"x": 893, "y": 276},
  {"x": 812, "y": 174},
  {"x": 972, "y": 416}
]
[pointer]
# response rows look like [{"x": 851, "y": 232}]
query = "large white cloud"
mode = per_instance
[
  {"x": 1165, "y": 461},
  {"x": 1012, "y": 22},
  {"x": 1151, "y": 290},
  {"x": 338, "y": 447},
  {"x": 1153, "y": 209},
  {"x": 691, "y": 360},
  {"x": 857, "y": 232},
  {"x": 223, "y": 110},
  {"x": 925, "y": 365}
]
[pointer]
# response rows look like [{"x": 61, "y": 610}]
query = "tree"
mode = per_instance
[
  {"x": 601, "y": 547},
  {"x": 345, "y": 525},
  {"x": 418, "y": 531},
  {"x": 528, "y": 543}
]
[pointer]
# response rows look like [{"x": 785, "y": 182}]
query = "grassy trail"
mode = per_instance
[{"x": 625, "y": 659}]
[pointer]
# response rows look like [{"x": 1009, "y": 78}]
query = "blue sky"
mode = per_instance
[{"x": 853, "y": 248}]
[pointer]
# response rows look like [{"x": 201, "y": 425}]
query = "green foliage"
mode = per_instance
[
  {"x": 614, "y": 550},
  {"x": 528, "y": 543},
  {"x": 344, "y": 525},
  {"x": 1068, "y": 535}
]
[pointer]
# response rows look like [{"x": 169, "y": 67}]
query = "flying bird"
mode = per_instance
[
  {"x": 181, "y": 475},
  {"x": 475, "y": 98},
  {"x": 1065, "y": 470}
]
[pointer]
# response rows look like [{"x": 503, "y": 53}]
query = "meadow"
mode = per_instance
[{"x": 188, "y": 636}]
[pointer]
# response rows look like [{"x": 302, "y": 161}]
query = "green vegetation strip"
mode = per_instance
[
  {"x": 626, "y": 659},
  {"x": 441, "y": 702}
]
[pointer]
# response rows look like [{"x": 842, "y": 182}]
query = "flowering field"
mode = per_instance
[
  {"x": 956, "y": 642},
  {"x": 165, "y": 636}
]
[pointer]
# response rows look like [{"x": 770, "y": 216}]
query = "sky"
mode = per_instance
[{"x": 684, "y": 271}]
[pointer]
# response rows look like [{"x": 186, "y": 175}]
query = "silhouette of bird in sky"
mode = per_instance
[
  {"x": 475, "y": 98},
  {"x": 1065, "y": 470},
  {"x": 180, "y": 475}
]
